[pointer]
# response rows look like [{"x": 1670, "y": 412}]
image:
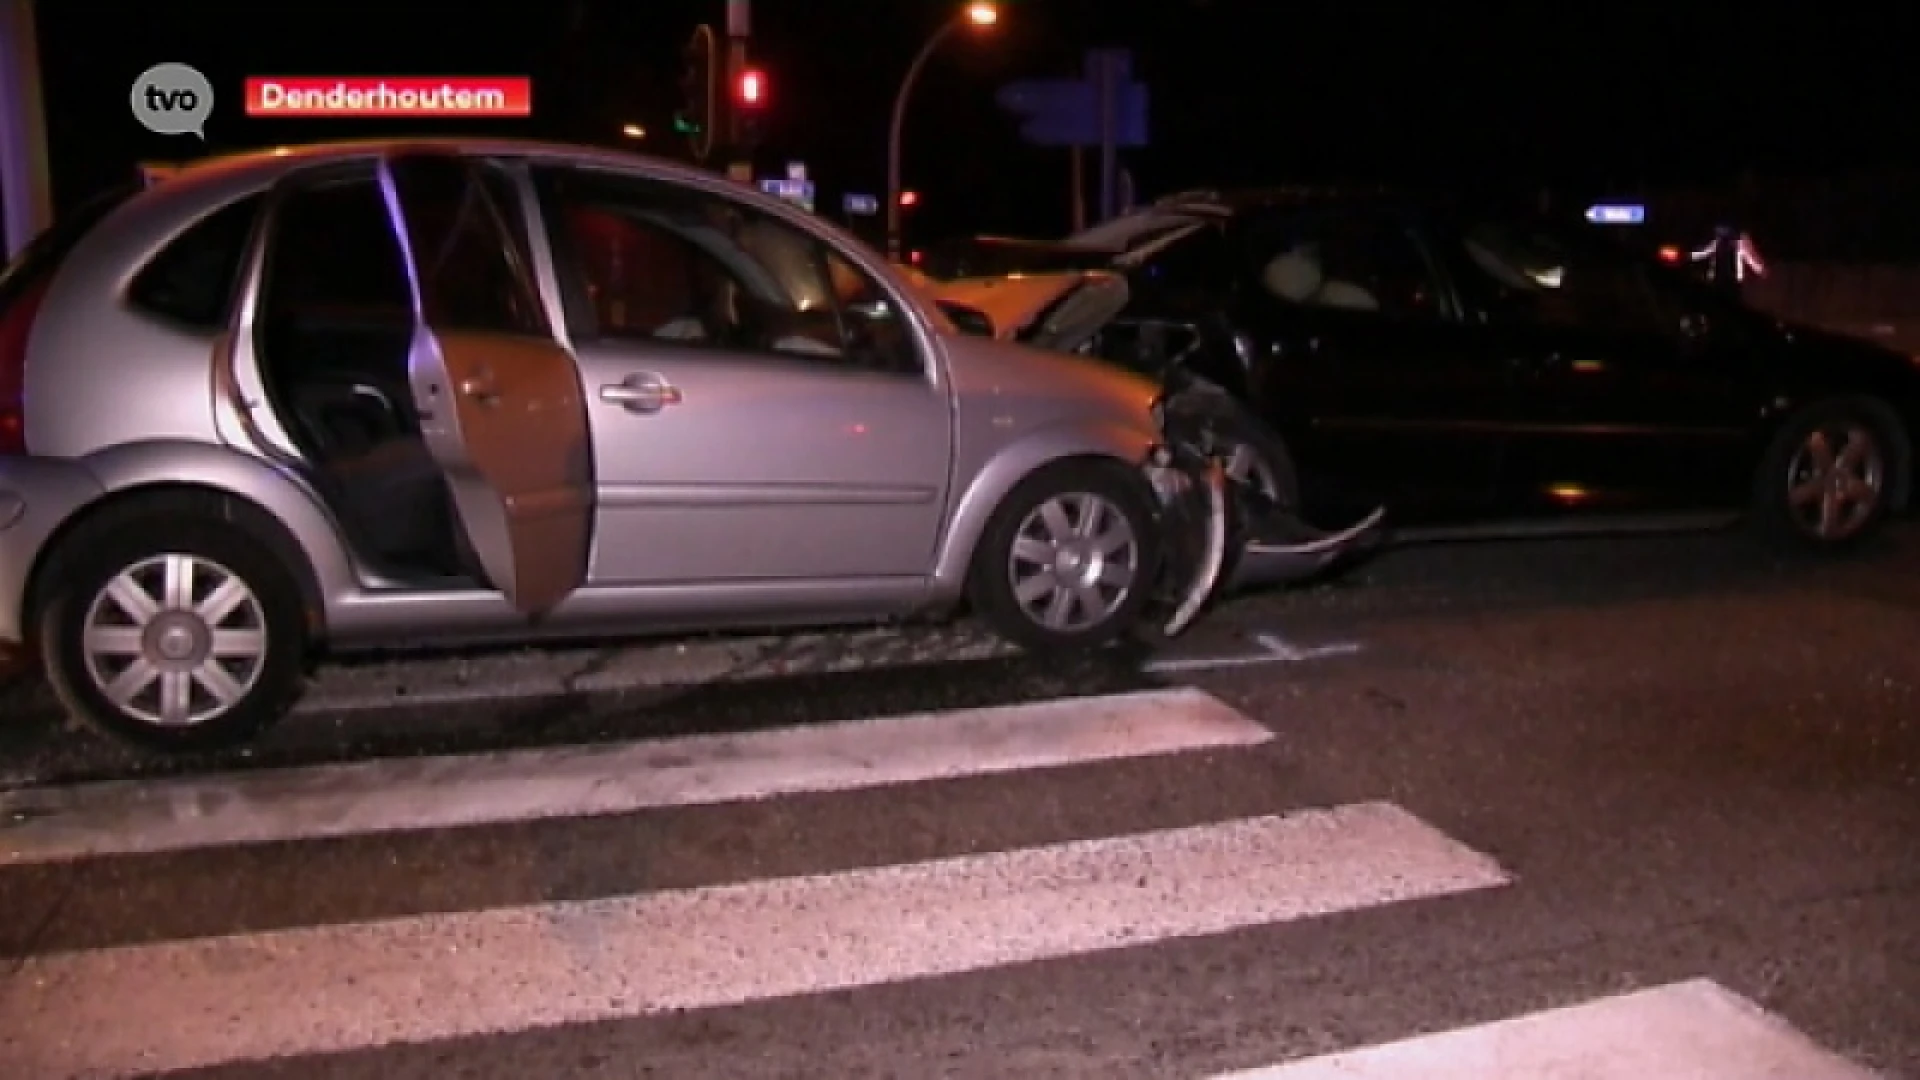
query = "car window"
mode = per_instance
[
  {"x": 333, "y": 255},
  {"x": 461, "y": 224},
  {"x": 192, "y": 280},
  {"x": 655, "y": 262},
  {"x": 1534, "y": 275},
  {"x": 1194, "y": 255},
  {"x": 1359, "y": 262}
]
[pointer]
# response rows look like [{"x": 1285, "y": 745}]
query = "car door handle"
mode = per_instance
[
  {"x": 641, "y": 394},
  {"x": 481, "y": 387}
]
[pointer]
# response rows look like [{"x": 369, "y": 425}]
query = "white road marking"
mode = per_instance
[
  {"x": 1272, "y": 649},
  {"x": 1697, "y": 1029},
  {"x": 122, "y": 817},
  {"x": 1284, "y": 650},
  {"x": 342, "y": 987}
]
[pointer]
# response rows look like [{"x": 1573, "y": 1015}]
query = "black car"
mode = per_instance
[{"x": 1483, "y": 373}]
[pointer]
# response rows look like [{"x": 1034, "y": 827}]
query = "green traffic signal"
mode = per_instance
[{"x": 685, "y": 126}]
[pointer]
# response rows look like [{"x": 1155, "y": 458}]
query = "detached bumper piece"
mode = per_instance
[
  {"x": 1194, "y": 501},
  {"x": 1278, "y": 548}
]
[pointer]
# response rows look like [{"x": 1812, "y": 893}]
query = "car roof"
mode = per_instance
[
  {"x": 269, "y": 162},
  {"x": 183, "y": 194},
  {"x": 1230, "y": 202}
]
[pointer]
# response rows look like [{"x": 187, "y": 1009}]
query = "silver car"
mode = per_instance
[{"x": 388, "y": 394}]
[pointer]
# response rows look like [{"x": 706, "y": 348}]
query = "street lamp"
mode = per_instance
[
  {"x": 633, "y": 131},
  {"x": 979, "y": 16}
]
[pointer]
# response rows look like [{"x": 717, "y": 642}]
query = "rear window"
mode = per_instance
[
  {"x": 44, "y": 253},
  {"x": 192, "y": 280}
]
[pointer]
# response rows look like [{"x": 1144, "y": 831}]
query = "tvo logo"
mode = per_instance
[{"x": 173, "y": 99}]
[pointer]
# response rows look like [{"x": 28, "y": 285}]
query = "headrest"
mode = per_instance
[{"x": 1293, "y": 276}]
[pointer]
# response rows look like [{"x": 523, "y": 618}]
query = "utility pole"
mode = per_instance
[
  {"x": 1110, "y": 69},
  {"x": 26, "y": 187},
  {"x": 739, "y": 141}
]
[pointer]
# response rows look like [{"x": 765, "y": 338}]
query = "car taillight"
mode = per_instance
[{"x": 16, "y": 324}]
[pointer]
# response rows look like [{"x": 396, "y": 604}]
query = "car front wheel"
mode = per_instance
[
  {"x": 173, "y": 634},
  {"x": 1069, "y": 559}
]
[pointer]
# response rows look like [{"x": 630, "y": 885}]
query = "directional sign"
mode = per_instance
[
  {"x": 1066, "y": 112},
  {"x": 799, "y": 192},
  {"x": 1617, "y": 214}
]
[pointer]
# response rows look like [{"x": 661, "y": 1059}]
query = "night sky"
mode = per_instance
[{"x": 1244, "y": 91}]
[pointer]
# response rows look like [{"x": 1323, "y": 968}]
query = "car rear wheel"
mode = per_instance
[
  {"x": 173, "y": 634},
  {"x": 1827, "y": 481},
  {"x": 1069, "y": 559}
]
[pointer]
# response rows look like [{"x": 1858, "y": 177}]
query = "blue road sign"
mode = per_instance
[
  {"x": 1066, "y": 112},
  {"x": 1617, "y": 214},
  {"x": 799, "y": 192}
]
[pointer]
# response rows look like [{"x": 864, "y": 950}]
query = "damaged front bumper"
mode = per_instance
[
  {"x": 1280, "y": 548},
  {"x": 1220, "y": 540},
  {"x": 1196, "y": 513}
]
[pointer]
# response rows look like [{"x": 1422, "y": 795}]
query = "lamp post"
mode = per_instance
[{"x": 977, "y": 15}]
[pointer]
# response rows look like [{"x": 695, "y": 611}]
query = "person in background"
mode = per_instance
[{"x": 1730, "y": 256}]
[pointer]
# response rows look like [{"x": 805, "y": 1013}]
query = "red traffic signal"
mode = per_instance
[
  {"x": 751, "y": 89},
  {"x": 909, "y": 198}
]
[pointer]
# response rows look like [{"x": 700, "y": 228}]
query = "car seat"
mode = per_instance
[
  {"x": 1298, "y": 276},
  {"x": 1294, "y": 275}
]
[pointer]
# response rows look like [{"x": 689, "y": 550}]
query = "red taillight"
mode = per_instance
[{"x": 16, "y": 323}]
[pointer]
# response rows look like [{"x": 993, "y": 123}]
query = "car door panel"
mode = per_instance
[
  {"x": 1359, "y": 355},
  {"x": 762, "y": 467},
  {"x": 498, "y": 398},
  {"x": 1615, "y": 409},
  {"x": 746, "y": 426},
  {"x": 1628, "y": 423},
  {"x": 1407, "y": 416}
]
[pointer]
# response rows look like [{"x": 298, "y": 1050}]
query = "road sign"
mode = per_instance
[
  {"x": 862, "y": 205},
  {"x": 1617, "y": 214},
  {"x": 1066, "y": 112},
  {"x": 799, "y": 192}
]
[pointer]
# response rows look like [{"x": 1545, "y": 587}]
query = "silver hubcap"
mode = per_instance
[
  {"x": 1074, "y": 562},
  {"x": 175, "y": 640},
  {"x": 1834, "y": 481}
]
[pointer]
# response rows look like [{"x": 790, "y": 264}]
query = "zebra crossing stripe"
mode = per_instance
[
  {"x": 137, "y": 817},
  {"x": 408, "y": 980},
  {"x": 1696, "y": 1029}
]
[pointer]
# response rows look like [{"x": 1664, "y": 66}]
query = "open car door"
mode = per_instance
[{"x": 498, "y": 397}]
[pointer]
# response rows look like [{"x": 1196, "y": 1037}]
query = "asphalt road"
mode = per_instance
[{"x": 1653, "y": 781}]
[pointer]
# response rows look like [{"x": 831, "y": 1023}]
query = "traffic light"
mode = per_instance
[
  {"x": 751, "y": 91},
  {"x": 909, "y": 198},
  {"x": 698, "y": 73},
  {"x": 749, "y": 102}
]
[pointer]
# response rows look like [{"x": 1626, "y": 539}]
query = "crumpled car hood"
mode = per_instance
[{"x": 1060, "y": 310}]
